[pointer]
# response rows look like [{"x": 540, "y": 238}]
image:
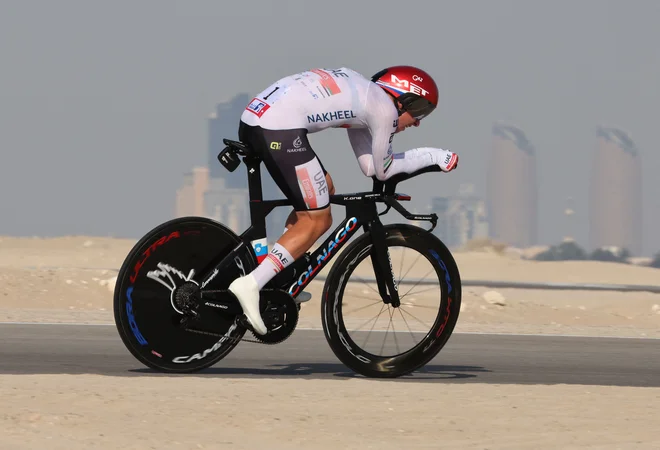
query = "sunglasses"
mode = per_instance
[{"x": 416, "y": 106}]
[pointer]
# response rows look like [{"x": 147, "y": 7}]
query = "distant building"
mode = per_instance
[
  {"x": 223, "y": 124},
  {"x": 512, "y": 188},
  {"x": 615, "y": 203},
  {"x": 190, "y": 196},
  {"x": 215, "y": 192},
  {"x": 461, "y": 217},
  {"x": 227, "y": 205}
]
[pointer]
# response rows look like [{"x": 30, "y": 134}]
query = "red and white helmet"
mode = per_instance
[{"x": 412, "y": 87}]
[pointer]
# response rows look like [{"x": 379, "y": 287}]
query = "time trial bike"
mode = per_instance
[{"x": 174, "y": 313}]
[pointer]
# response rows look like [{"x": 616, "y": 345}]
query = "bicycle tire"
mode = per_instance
[
  {"x": 155, "y": 340},
  {"x": 358, "y": 359}
]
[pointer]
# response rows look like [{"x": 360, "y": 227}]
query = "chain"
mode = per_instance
[
  {"x": 255, "y": 341},
  {"x": 233, "y": 339},
  {"x": 212, "y": 291}
]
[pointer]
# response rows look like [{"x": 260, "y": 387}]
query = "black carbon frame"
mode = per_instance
[{"x": 361, "y": 211}]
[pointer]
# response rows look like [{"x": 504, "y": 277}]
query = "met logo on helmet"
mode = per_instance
[{"x": 411, "y": 87}]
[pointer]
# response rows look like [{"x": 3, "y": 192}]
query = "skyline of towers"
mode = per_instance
[
  {"x": 615, "y": 192},
  {"x": 461, "y": 216},
  {"x": 213, "y": 191},
  {"x": 511, "y": 198},
  {"x": 512, "y": 191},
  {"x": 223, "y": 124}
]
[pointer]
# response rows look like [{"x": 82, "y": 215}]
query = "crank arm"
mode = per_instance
[{"x": 222, "y": 302}]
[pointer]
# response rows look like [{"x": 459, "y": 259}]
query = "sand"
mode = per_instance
[
  {"x": 96, "y": 412},
  {"x": 71, "y": 280}
]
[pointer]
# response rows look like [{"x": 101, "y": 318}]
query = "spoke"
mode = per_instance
[
  {"x": 375, "y": 318},
  {"x": 372, "y": 328},
  {"x": 363, "y": 297},
  {"x": 366, "y": 283},
  {"x": 396, "y": 341},
  {"x": 369, "y": 323},
  {"x": 386, "y": 332},
  {"x": 418, "y": 320},
  {"x": 419, "y": 281},
  {"x": 423, "y": 290},
  {"x": 403, "y": 252},
  {"x": 419, "y": 255},
  {"x": 364, "y": 307},
  {"x": 420, "y": 306},
  {"x": 409, "y": 329}
]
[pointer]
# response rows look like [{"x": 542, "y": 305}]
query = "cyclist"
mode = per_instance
[{"x": 275, "y": 124}]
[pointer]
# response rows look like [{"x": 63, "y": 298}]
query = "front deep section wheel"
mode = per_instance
[
  {"x": 378, "y": 339},
  {"x": 157, "y": 295}
]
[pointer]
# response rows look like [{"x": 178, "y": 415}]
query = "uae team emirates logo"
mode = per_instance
[{"x": 306, "y": 184}]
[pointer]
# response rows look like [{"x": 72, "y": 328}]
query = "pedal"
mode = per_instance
[{"x": 303, "y": 297}]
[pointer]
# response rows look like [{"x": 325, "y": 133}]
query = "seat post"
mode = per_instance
[
  {"x": 255, "y": 193},
  {"x": 254, "y": 178}
]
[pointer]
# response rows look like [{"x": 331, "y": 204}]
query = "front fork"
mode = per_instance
[{"x": 380, "y": 258}]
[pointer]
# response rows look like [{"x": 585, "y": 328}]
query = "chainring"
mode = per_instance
[{"x": 280, "y": 314}]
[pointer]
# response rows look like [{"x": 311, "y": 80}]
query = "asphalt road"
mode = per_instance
[{"x": 467, "y": 358}]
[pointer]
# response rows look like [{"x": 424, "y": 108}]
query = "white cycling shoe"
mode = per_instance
[{"x": 246, "y": 291}]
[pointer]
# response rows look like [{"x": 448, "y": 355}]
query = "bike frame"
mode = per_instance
[{"x": 361, "y": 211}]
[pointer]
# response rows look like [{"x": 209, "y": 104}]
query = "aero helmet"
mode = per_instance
[{"x": 412, "y": 87}]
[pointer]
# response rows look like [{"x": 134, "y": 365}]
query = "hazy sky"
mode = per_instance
[{"x": 103, "y": 105}]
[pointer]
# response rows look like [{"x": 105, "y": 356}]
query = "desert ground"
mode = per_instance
[{"x": 71, "y": 279}]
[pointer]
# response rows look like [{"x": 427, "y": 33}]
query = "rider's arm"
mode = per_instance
[
  {"x": 373, "y": 145},
  {"x": 360, "y": 139},
  {"x": 382, "y": 120}
]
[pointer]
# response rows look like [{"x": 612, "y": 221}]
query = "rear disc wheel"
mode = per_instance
[{"x": 161, "y": 278}]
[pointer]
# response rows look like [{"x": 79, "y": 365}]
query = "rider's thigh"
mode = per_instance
[{"x": 295, "y": 168}]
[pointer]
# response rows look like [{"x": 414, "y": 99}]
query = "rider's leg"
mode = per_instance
[
  {"x": 309, "y": 226},
  {"x": 300, "y": 236},
  {"x": 303, "y": 230},
  {"x": 299, "y": 174},
  {"x": 293, "y": 217},
  {"x": 291, "y": 220}
]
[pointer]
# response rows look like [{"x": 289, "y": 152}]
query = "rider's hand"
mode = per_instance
[{"x": 448, "y": 161}]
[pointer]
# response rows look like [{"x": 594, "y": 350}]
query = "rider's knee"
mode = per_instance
[
  {"x": 324, "y": 220},
  {"x": 318, "y": 221},
  {"x": 331, "y": 185}
]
